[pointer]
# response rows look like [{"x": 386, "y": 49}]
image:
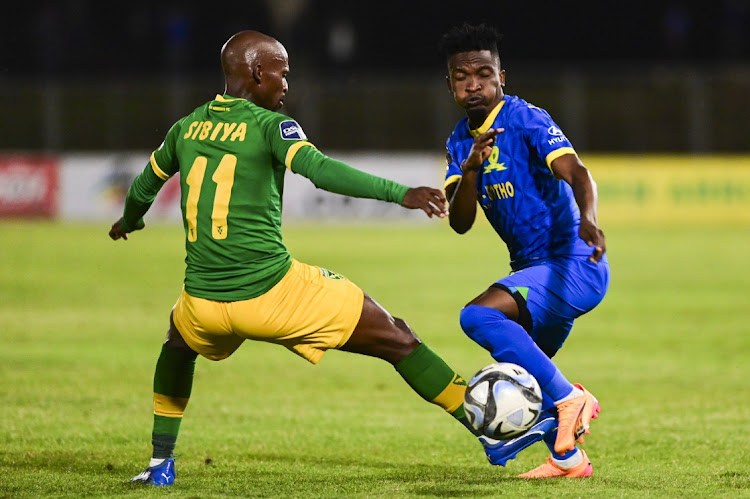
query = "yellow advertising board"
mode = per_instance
[{"x": 671, "y": 188}]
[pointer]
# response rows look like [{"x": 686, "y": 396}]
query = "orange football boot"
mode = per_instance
[
  {"x": 573, "y": 417},
  {"x": 551, "y": 470}
]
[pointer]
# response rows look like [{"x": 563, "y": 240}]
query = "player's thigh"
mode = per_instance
[
  {"x": 203, "y": 326},
  {"x": 552, "y": 295},
  {"x": 309, "y": 311}
]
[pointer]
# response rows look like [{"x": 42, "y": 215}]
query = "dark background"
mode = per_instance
[
  {"x": 64, "y": 38},
  {"x": 136, "y": 67}
]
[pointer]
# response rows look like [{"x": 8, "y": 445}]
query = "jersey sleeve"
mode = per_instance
[
  {"x": 453, "y": 172},
  {"x": 284, "y": 136},
  {"x": 164, "y": 159},
  {"x": 544, "y": 136},
  {"x": 340, "y": 178},
  {"x": 142, "y": 192},
  {"x": 289, "y": 145}
]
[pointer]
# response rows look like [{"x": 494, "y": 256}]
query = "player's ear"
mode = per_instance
[
  {"x": 448, "y": 82},
  {"x": 257, "y": 72},
  {"x": 502, "y": 77}
]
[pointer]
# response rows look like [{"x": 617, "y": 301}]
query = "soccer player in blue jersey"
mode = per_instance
[{"x": 513, "y": 160}]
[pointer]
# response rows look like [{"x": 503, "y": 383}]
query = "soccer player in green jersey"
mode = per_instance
[{"x": 240, "y": 281}]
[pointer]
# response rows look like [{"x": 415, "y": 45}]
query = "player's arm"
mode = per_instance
[
  {"x": 141, "y": 195},
  {"x": 569, "y": 168},
  {"x": 463, "y": 195},
  {"x": 337, "y": 177},
  {"x": 146, "y": 186}
]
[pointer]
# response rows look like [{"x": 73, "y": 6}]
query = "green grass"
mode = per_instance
[{"x": 82, "y": 319}]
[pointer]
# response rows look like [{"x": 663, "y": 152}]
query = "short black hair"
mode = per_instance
[{"x": 468, "y": 38}]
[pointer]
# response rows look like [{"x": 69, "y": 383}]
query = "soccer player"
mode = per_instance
[
  {"x": 240, "y": 281},
  {"x": 511, "y": 158}
]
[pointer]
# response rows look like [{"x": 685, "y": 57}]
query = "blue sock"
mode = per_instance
[
  {"x": 547, "y": 402},
  {"x": 549, "y": 439},
  {"x": 508, "y": 341}
]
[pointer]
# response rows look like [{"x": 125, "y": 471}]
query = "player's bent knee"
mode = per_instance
[
  {"x": 475, "y": 318},
  {"x": 384, "y": 337},
  {"x": 472, "y": 318}
]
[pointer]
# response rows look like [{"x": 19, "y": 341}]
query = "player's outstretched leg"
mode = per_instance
[
  {"x": 378, "y": 334},
  {"x": 173, "y": 383}
]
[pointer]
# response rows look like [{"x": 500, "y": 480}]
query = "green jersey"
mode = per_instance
[{"x": 232, "y": 157}]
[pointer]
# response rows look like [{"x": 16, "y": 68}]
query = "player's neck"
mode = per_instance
[
  {"x": 478, "y": 117},
  {"x": 476, "y": 120}
]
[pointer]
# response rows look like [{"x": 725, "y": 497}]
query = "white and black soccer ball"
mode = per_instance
[{"x": 503, "y": 400}]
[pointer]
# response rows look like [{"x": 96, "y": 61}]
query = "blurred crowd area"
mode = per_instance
[{"x": 617, "y": 76}]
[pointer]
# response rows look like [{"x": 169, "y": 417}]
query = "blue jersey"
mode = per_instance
[{"x": 532, "y": 211}]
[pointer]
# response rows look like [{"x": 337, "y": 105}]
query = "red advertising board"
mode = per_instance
[{"x": 29, "y": 185}]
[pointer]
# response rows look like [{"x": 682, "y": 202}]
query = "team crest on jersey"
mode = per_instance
[
  {"x": 332, "y": 275},
  {"x": 290, "y": 130}
]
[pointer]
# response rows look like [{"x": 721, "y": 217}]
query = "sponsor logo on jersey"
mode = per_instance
[
  {"x": 558, "y": 137},
  {"x": 503, "y": 190},
  {"x": 290, "y": 130},
  {"x": 556, "y": 140},
  {"x": 498, "y": 167},
  {"x": 492, "y": 161}
]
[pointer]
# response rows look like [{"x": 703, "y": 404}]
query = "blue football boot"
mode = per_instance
[
  {"x": 160, "y": 475},
  {"x": 500, "y": 452}
]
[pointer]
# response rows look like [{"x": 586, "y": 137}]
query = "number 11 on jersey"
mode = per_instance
[{"x": 224, "y": 179}]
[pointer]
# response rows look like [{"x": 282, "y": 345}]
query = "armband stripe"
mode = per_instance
[
  {"x": 451, "y": 180},
  {"x": 292, "y": 151},
  {"x": 158, "y": 171},
  {"x": 556, "y": 154}
]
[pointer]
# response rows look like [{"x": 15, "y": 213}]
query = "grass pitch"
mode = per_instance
[{"x": 82, "y": 320}]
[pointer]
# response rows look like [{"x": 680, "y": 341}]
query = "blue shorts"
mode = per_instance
[{"x": 559, "y": 291}]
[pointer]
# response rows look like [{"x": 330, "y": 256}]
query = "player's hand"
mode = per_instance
[
  {"x": 118, "y": 232},
  {"x": 594, "y": 237},
  {"x": 431, "y": 201},
  {"x": 481, "y": 149}
]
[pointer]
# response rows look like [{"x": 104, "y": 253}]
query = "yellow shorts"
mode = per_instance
[{"x": 309, "y": 311}]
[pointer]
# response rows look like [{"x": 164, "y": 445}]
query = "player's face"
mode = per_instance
[
  {"x": 476, "y": 80},
  {"x": 273, "y": 85}
]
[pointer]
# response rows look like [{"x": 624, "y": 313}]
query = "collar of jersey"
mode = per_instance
[
  {"x": 488, "y": 121},
  {"x": 222, "y": 98}
]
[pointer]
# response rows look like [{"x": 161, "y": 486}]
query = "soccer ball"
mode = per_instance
[{"x": 503, "y": 400}]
